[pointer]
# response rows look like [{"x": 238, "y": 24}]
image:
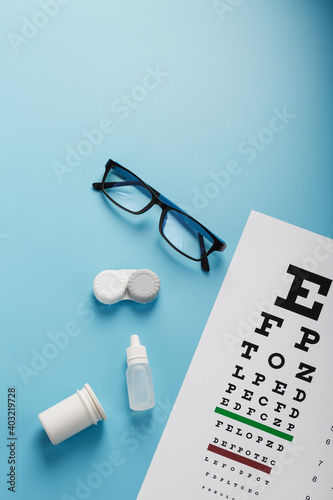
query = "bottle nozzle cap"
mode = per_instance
[
  {"x": 136, "y": 351},
  {"x": 135, "y": 340}
]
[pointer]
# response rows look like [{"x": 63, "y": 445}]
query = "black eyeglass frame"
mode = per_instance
[{"x": 166, "y": 205}]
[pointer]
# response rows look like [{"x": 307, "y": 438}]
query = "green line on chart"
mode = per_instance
[{"x": 253, "y": 423}]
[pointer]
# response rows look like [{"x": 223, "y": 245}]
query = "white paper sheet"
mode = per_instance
[{"x": 254, "y": 416}]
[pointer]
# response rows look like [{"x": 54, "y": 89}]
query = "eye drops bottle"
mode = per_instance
[{"x": 138, "y": 376}]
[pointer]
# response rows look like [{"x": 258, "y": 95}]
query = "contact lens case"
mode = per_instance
[{"x": 140, "y": 285}]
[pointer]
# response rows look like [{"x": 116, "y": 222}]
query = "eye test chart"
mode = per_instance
[{"x": 254, "y": 416}]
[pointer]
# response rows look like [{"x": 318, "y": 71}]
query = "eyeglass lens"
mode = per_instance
[
  {"x": 126, "y": 190},
  {"x": 186, "y": 235}
]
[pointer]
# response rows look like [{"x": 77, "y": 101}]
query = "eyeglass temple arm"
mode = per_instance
[
  {"x": 107, "y": 185},
  {"x": 204, "y": 261},
  {"x": 99, "y": 185}
]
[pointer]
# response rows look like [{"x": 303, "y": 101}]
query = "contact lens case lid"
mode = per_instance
[
  {"x": 109, "y": 287},
  {"x": 143, "y": 286}
]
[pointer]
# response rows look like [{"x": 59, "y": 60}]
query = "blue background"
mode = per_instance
[{"x": 223, "y": 74}]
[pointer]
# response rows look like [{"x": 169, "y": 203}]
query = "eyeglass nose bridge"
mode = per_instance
[
  {"x": 164, "y": 209},
  {"x": 161, "y": 204}
]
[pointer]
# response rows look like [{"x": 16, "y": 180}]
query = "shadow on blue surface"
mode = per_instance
[{"x": 83, "y": 443}]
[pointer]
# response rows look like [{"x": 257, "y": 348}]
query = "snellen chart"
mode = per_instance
[{"x": 254, "y": 417}]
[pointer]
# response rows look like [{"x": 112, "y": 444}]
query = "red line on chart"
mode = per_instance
[{"x": 239, "y": 458}]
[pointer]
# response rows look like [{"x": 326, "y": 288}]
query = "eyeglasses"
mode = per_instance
[{"x": 180, "y": 230}]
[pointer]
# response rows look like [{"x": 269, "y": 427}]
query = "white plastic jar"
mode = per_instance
[{"x": 72, "y": 415}]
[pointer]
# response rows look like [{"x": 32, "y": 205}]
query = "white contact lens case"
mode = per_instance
[{"x": 140, "y": 285}]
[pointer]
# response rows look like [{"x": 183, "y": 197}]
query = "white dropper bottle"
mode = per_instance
[{"x": 138, "y": 375}]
